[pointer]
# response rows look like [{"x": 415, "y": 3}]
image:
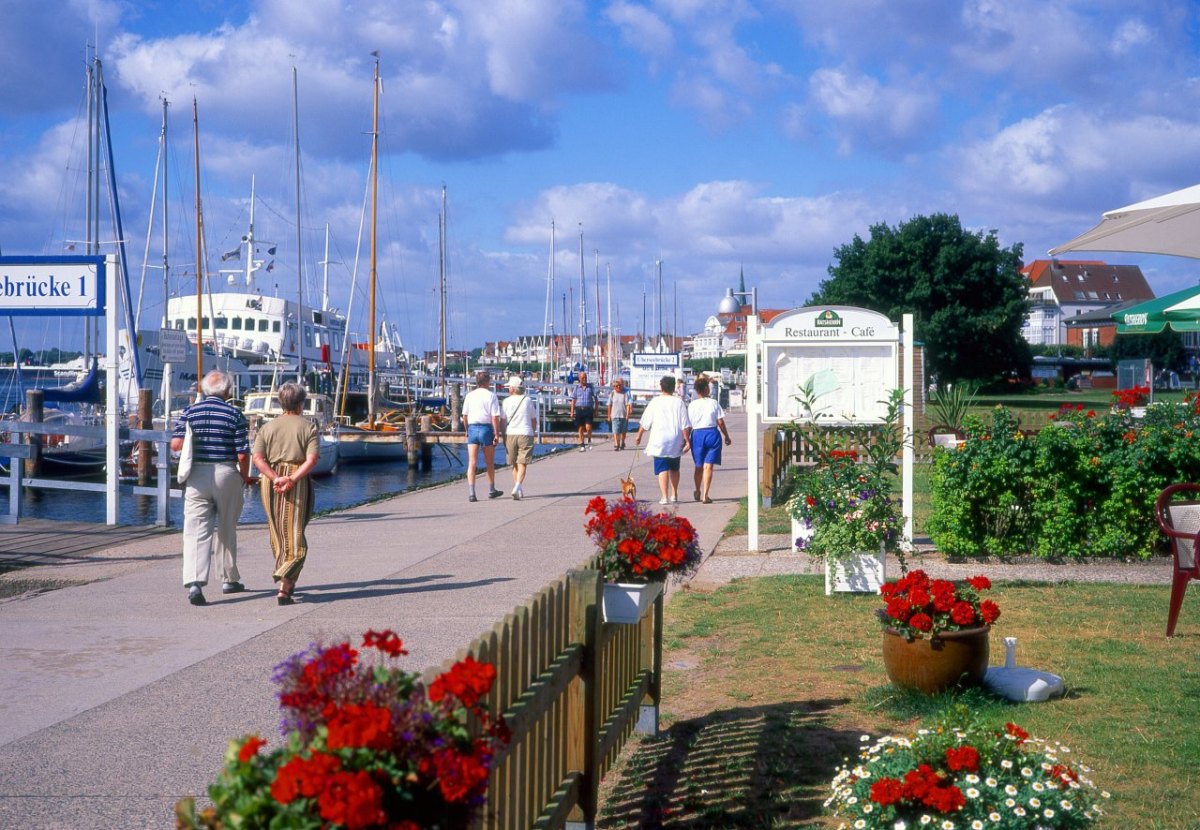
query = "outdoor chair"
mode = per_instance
[
  {"x": 944, "y": 436},
  {"x": 1180, "y": 520}
]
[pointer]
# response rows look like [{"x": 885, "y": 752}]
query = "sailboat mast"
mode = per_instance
[
  {"x": 199, "y": 253},
  {"x": 299, "y": 257},
  {"x": 548, "y": 315},
  {"x": 612, "y": 369},
  {"x": 597, "y": 348},
  {"x": 374, "y": 248},
  {"x": 325, "y": 273},
  {"x": 582, "y": 307},
  {"x": 165, "y": 231},
  {"x": 442, "y": 296}
]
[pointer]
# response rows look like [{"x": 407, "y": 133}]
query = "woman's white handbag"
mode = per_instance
[{"x": 185, "y": 456}]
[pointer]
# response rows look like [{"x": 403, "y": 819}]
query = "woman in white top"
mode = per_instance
[
  {"x": 619, "y": 409},
  {"x": 666, "y": 419},
  {"x": 520, "y": 425},
  {"x": 708, "y": 428}
]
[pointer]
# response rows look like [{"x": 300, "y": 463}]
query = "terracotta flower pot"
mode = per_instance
[{"x": 952, "y": 658}]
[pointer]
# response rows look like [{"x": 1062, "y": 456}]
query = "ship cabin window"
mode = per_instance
[
  {"x": 256, "y": 404},
  {"x": 179, "y": 324},
  {"x": 262, "y": 325},
  {"x": 222, "y": 322},
  {"x": 204, "y": 323},
  {"x": 236, "y": 323},
  {"x": 276, "y": 327},
  {"x": 191, "y": 324}
]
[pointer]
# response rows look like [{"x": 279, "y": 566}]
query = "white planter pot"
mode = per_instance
[
  {"x": 863, "y": 573},
  {"x": 628, "y": 602},
  {"x": 799, "y": 531}
]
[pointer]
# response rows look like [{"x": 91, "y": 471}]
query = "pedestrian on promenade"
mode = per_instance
[
  {"x": 708, "y": 428},
  {"x": 583, "y": 408},
  {"x": 213, "y": 493},
  {"x": 520, "y": 425},
  {"x": 286, "y": 449},
  {"x": 619, "y": 410},
  {"x": 481, "y": 412},
  {"x": 666, "y": 419}
]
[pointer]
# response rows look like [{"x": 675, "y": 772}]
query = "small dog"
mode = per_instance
[{"x": 629, "y": 488}]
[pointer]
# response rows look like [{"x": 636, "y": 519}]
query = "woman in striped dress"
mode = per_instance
[{"x": 285, "y": 450}]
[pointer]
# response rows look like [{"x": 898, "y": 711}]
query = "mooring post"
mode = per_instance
[
  {"x": 411, "y": 439},
  {"x": 145, "y": 449},
  {"x": 454, "y": 407},
  {"x": 426, "y": 446},
  {"x": 34, "y": 412}
]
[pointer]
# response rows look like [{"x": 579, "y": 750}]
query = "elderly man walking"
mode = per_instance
[
  {"x": 212, "y": 494},
  {"x": 481, "y": 412}
]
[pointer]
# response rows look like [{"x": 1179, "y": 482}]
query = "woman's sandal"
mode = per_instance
[{"x": 284, "y": 597}]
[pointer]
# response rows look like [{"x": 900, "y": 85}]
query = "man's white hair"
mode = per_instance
[{"x": 217, "y": 384}]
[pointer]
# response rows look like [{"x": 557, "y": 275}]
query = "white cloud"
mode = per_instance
[
  {"x": 871, "y": 113},
  {"x": 1131, "y": 35},
  {"x": 642, "y": 29}
]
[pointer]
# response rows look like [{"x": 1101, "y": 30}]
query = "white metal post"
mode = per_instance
[
  {"x": 910, "y": 397},
  {"x": 112, "y": 412},
  {"x": 752, "y": 472}
]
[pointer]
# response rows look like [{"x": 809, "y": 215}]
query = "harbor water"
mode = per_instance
[{"x": 352, "y": 484}]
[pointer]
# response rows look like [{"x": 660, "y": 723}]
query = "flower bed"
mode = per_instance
[
  {"x": 960, "y": 774},
  {"x": 1083, "y": 486}
]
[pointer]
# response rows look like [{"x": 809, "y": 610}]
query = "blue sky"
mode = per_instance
[{"x": 716, "y": 136}]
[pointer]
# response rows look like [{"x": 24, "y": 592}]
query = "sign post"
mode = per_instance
[
  {"x": 846, "y": 359},
  {"x": 73, "y": 286}
]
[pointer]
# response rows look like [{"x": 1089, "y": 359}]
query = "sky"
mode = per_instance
[{"x": 679, "y": 143}]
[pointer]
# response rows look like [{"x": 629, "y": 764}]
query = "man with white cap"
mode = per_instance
[{"x": 520, "y": 425}]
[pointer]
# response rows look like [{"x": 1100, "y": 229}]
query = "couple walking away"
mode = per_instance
[
  {"x": 285, "y": 450},
  {"x": 675, "y": 427},
  {"x": 489, "y": 422}
]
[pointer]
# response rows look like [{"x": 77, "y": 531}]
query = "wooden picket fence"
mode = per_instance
[{"x": 572, "y": 689}]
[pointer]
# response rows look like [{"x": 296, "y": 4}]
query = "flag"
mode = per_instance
[
  {"x": 271, "y": 265},
  {"x": 236, "y": 253}
]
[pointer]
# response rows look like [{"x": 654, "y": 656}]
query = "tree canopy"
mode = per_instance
[{"x": 965, "y": 292}]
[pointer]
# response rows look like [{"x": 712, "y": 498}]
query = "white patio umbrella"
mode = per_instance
[{"x": 1167, "y": 224}]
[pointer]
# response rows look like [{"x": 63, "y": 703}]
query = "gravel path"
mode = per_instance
[{"x": 731, "y": 560}]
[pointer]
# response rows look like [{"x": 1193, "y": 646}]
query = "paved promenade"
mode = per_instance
[{"x": 118, "y": 697}]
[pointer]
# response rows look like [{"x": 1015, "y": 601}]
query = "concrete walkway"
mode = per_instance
[{"x": 118, "y": 697}]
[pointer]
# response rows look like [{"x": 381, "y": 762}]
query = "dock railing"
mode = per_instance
[{"x": 572, "y": 689}]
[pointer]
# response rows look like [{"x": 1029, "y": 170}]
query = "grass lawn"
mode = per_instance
[{"x": 769, "y": 685}]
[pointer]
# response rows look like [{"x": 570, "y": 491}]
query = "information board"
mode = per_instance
[
  {"x": 843, "y": 360},
  {"x": 646, "y": 369}
]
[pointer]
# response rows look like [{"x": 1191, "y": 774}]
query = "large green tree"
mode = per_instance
[{"x": 966, "y": 293}]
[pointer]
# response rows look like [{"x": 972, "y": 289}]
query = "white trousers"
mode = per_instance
[{"x": 212, "y": 505}]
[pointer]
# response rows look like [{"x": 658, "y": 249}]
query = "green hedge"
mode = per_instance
[{"x": 1083, "y": 486}]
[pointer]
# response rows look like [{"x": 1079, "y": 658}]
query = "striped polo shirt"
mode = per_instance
[{"x": 219, "y": 430}]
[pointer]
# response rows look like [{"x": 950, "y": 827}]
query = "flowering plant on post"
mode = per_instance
[
  {"x": 636, "y": 545},
  {"x": 962, "y": 774},
  {"x": 847, "y": 503},
  {"x": 366, "y": 745}
]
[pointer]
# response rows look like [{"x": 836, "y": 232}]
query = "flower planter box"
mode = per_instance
[
  {"x": 862, "y": 573},
  {"x": 627, "y": 602}
]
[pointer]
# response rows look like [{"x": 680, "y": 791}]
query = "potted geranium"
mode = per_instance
[
  {"x": 366, "y": 745},
  {"x": 845, "y": 510},
  {"x": 638, "y": 550},
  {"x": 962, "y": 774},
  {"x": 935, "y": 631}
]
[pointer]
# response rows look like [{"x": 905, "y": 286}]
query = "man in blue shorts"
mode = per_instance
[
  {"x": 583, "y": 408},
  {"x": 481, "y": 412}
]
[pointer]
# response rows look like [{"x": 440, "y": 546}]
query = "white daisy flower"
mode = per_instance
[
  {"x": 972, "y": 792},
  {"x": 900, "y": 825},
  {"x": 1006, "y": 763},
  {"x": 1067, "y": 806},
  {"x": 860, "y": 824},
  {"x": 972, "y": 778},
  {"x": 1019, "y": 811},
  {"x": 991, "y": 782},
  {"x": 1035, "y": 803},
  {"x": 947, "y": 825},
  {"x": 1038, "y": 786},
  {"x": 1010, "y": 803},
  {"x": 1048, "y": 813},
  {"x": 994, "y": 816},
  {"x": 1010, "y": 790},
  {"x": 926, "y": 819},
  {"x": 1026, "y": 772},
  {"x": 977, "y": 825}
]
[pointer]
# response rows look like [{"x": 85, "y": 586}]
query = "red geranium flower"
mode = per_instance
[
  {"x": 468, "y": 680},
  {"x": 936, "y": 605},
  {"x": 1017, "y": 732},
  {"x": 887, "y": 791},
  {"x": 963, "y": 758},
  {"x": 250, "y": 748}
]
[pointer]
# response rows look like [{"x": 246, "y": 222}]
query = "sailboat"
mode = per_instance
[{"x": 380, "y": 437}]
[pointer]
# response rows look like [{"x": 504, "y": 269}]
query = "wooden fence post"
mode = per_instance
[
  {"x": 583, "y": 717},
  {"x": 769, "y": 464},
  {"x": 651, "y": 657},
  {"x": 34, "y": 400}
]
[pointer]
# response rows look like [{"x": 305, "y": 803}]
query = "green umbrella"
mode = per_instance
[{"x": 1152, "y": 316}]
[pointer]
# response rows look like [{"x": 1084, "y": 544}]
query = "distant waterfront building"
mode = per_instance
[{"x": 1061, "y": 290}]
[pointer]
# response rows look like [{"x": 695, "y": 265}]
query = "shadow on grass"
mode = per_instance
[{"x": 753, "y": 767}]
